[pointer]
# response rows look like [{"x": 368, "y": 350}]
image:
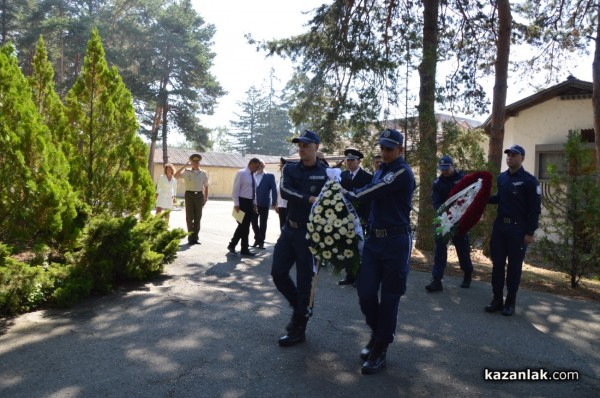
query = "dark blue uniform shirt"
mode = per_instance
[
  {"x": 298, "y": 184},
  {"x": 441, "y": 188},
  {"x": 519, "y": 198},
  {"x": 390, "y": 194}
]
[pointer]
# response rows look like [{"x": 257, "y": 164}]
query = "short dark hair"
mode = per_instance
[{"x": 254, "y": 161}]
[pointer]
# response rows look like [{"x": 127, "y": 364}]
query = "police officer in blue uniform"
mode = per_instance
[
  {"x": 300, "y": 185},
  {"x": 386, "y": 254},
  {"x": 440, "y": 191},
  {"x": 519, "y": 208}
]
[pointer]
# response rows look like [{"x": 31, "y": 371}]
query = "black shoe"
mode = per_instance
[
  {"x": 231, "y": 249},
  {"x": 376, "y": 360},
  {"x": 465, "y": 284},
  {"x": 260, "y": 246},
  {"x": 508, "y": 310},
  {"x": 346, "y": 281},
  {"x": 255, "y": 244},
  {"x": 509, "y": 304},
  {"x": 495, "y": 305},
  {"x": 435, "y": 286},
  {"x": 297, "y": 332},
  {"x": 364, "y": 353},
  {"x": 247, "y": 253}
]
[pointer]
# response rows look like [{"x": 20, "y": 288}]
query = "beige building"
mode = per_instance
[
  {"x": 541, "y": 124},
  {"x": 220, "y": 167}
]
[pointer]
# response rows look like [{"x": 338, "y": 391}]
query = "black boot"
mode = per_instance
[
  {"x": 509, "y": 304},
  {"x": 466, "y": 283},
  {"x": 435, "y": 286},
  {"x": 364, "y": 353},
  {"x": 296, "y": 334},
  {"x": 496, "y": 304},
  {"x": 376, "y": 360}
]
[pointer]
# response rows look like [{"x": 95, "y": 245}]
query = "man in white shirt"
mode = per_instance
[{"x": 244, "y": 199}]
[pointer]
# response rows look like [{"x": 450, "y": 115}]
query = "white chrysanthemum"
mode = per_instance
[
  {"x": 318, "y": 209},
  {"x": 322, "y": 245},
  {"x": 348, "y": 253},
  {"x": 337, "y": 196},
  {"x": 319, "y": 227},
  {"x": 350, "y": 234},
  {"x": 349, "y": 241},
  {"x": 327, "y": 254},
  {"x": 337, "y": 223},
  {"x": 307, "y": 236},
  {"x": 328, "y": 228},
  {"x": 316, "y": 237},
  {"x": 327, "y": 194},
  {"x": 310, "y": 227},
  {"x": 337, "y": 236},
  {"x": 317, "y": 218},
  {"x": 335, "y": 250},
  {"x": 329, "y": 213},
  {"x": 351, "y": 217},
  {"x": 343, "y": 231},
  {"x": 341, "y": 257},
  {"x": 329, "y": 240},
  {"x": 339, "y": 207},
  {"x": 326, "y": 202},
  {"x": 323, "y": 221},
  {"x": 312, "y": 250}
]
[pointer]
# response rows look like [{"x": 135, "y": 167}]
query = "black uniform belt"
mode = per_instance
[
  {"x": 390, "y": 231},
  {"x": 195, "y": 192},
  {"x": 296, "y": 224},
  {"x": 508, "y": 220}
]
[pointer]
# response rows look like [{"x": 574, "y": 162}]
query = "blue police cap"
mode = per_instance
[
  {"x": 390, "y": 138},
  {"x": 445, "y": 162},
  {"x": 518, "y": 149},
  {"x": 308, "y": 137}
]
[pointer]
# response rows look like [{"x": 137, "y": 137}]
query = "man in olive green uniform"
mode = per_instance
[{"x": 196, "y": 195}]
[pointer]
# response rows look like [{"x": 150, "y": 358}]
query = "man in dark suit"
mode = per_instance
[
  {"x": 354, "y": 177},
  {"x": 266, "y": 197}
]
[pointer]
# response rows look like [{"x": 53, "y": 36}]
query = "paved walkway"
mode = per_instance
[{"x": 209, "y": 328}]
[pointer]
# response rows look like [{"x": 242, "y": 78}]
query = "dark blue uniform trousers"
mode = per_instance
[
  {"x": 292, "y": 247},
  {"x": 463, "y": 250},
  {"x": 507, "y": 242},
  {"x": 385, "y": 265}
]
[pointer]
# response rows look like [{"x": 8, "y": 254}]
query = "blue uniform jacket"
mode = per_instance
[
  {"x": 519, "y": 198},
  {"x": 266, "y": 191},
  {"x": 442, "y": 186},
  {"x": 390, "y": 194},
  {"x": 298, "y": 183}
]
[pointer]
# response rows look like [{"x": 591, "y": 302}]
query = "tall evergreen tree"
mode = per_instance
[
  {"x": 249, "y": 127},
  {"x": 34, "y": 193},
  {"x": 110, "y": 167}
]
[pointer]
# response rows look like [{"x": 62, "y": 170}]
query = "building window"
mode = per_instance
[{"x": 545, "y": 159}]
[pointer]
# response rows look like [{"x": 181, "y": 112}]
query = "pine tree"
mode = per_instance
[
  {"x": 109, "y": 169},
  {"x": 34, "y": 192}
]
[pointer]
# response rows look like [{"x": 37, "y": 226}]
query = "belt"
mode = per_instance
[
  {"x": 508, "y": 220},
  {"x": 296, "y": 225},
  {"x": 391, "y": 231},
  {"x": 195, "y": 192}
]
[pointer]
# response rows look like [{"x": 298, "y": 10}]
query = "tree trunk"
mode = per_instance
[
  {"x": 427, "y": 124},
  {"x": 596, "y": 96},
  {"x": 500, "y": 85},
  {"x": 495, "y": 150},
  {"x": 165, "y": 150},
  {"x": 153, "y": 139}
]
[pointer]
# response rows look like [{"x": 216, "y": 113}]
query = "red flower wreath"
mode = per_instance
[{"x": 477, "y": 207}]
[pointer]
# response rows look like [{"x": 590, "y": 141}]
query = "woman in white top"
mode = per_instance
[{"x": 166, "y": 189}]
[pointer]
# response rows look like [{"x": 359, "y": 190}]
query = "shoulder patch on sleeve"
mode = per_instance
[
  {"x": 388, "y": 178},
  {"x": 538, "y": 189}
]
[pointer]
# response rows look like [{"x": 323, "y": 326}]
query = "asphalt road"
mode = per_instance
[{"x": 209, "y": 328}]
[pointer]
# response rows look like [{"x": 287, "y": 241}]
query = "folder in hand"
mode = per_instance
[{"x": 239, "y": 216}]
